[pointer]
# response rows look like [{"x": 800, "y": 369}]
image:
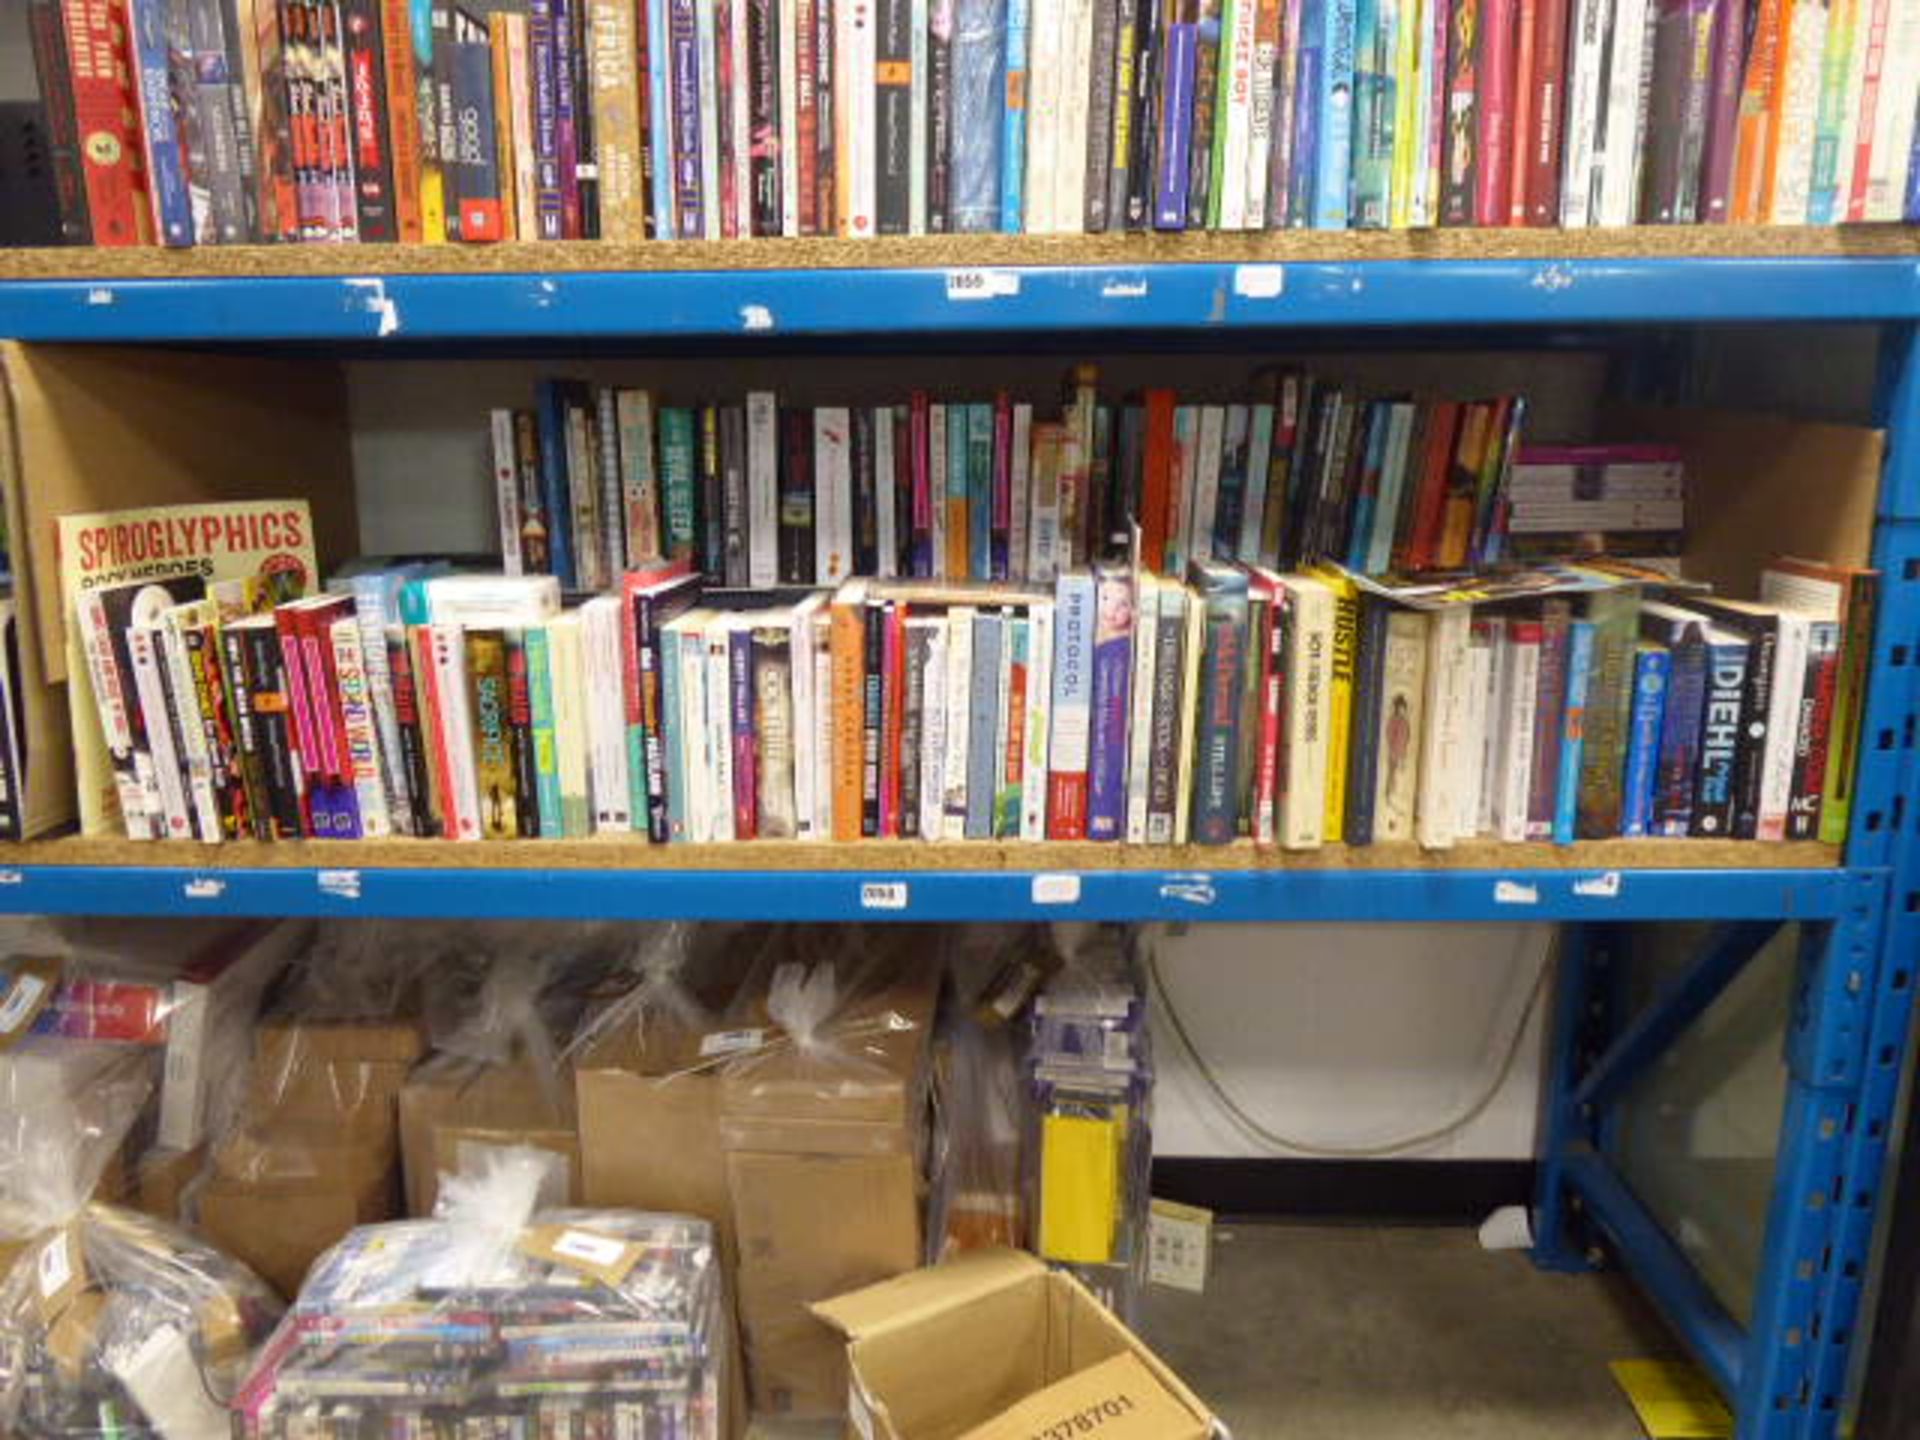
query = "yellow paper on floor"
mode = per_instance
[
  {"x": 1079, "y": 1187},
  {"x": 1674, "y": 1400}
]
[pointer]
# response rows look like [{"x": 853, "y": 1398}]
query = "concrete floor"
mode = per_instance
[{"x": 1362, "y": 1333}]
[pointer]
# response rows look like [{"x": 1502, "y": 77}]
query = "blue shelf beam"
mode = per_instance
[
  {"x": 1109, "y": 298},
  {"x": 934, "y": 895}
]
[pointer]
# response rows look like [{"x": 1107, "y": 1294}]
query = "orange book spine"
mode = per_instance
[
  {"x": 498, "y": 44},
  {"x": 403, "y": 116},
  {"x": 1456, "y": 523},
  {"x": 1156, "y": 479},
  {"x": 1762, "y": 95},
  {"x": 847, "y": 644}
]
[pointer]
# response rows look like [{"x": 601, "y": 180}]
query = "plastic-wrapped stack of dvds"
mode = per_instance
[
  {"x": 1090, "y": 1076},
  {"x": 496, "y": 1316}
]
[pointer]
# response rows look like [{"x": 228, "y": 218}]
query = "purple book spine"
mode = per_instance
[
  {"x": 546, "y": 150},
  {"x": 565, "y": 133},
  {"x": 1912, "y": 211},
  {"x": 746, "y": 786},
  {"x": 1175, "y": 127},
  {"x": 1723, "y": 110},
  {"x": 683, "y": 39},
  {"x": 999, "y": 531}
]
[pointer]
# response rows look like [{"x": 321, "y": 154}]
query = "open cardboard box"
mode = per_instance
[{"x": 995, "y": 1346}]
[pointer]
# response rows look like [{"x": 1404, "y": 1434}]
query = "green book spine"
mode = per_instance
[
  {"x": 677, "y": 479},
  {"x": 546, "y": 751},
  {"x": 1222, "y": 105},
  {"x": 1602, "y": 796}
]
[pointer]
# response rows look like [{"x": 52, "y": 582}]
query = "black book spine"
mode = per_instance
[
  {"x": 246, "y": 734},
  {"x": 733, "y": 493},
  {"x": 796, "y": 497},
  {"x": 871, "y": 719},
  {"x": 585, "y": 156},
  {"x": 267, "y": 675},
  {"x": 50, "y": 63},
  {"x": 866, "y": 495},
  {"x": 763, "y": 115},
  {"x": 526, "y": 766},
  {"x": 1100, "y": 106},
  {"x": 902, "y": 491},
  {"x": 893, "y": 118},
  {"x": 1363, "y": 751},
  {"x": 939, "y": 119},
  {"x": 366, "y": 93},
  {"x": 1149, "y": 41},
  {"x": 710, "y": 525},
  {"x": 913, "y": 732},
  {"x": 825, "y": 76},
  {"x": 405, "y": 689}
]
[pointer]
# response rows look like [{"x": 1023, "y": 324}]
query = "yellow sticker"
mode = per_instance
[{"x": 1674, "y": 1400}]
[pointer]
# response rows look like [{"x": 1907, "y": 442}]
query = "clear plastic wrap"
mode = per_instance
[
  {"x": 572, "y": 1321},
  {"x": 112, "y": 1324}
]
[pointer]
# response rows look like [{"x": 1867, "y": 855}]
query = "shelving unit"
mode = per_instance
[{"x": 1785, "y": 1366}]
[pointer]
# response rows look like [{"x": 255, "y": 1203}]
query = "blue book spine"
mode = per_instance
[
  {"x": 551, "y": 421},
  {"x": 1361, "y": 540},
  {"x": 1912, "y": 212},
  {"x": 660, "y": 118},
  {"x": 1112, "y": 669},
  {"x": 166, "y": 161},
  {"x": 1652, "y": 670},
  {"x": 979, "y": 94},
  {"x": 1175, "y": 127},
  {"x": 1013, "y": 136},
  {"x": 983, "y": 759},
  {"x": 959, "y": 428},
  {"x": 1334, "y": 160},
  {"x": 1573, "y": 729},
  {"x": 671, "y": 728},
  {"x": 1304, "y": 162},
  {"x": 979, "y": 491},
  {"x": 546, "y": 748}
]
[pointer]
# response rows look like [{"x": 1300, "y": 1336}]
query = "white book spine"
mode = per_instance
[
  {"x": 1520, "y": 691},
  {"x": 720, "y": 729},
  {"x": 1309, "y": 689},
  {"x": 1002, "y": 718},
  {"x": 856, "y": 101},
  {"x": 520, "y": 92},
  {"x": 1146, "y": 628},
  {"x": 917, "y": 119},
  {"x": 1492, "y": 720},
  {"x": 885, "y": 494},
  {"x": 370, "y": 606},
  {"x": 111, "y": 708},
  {"x": 1473, "y": 755},
  {"x": 1236, "y": 62},
  {"x": 183, "y": 1086},
  {"x": 1020, "y": 481},
  {"x": 1783, "y": 717},
  {"x": 1443, "y": 741},
  {"x": 708, "y": 68},
  {"x": 359, "y": 728},
  {"x": 191, "y": 735},
  {"x": 1070, "y": 154},
  {"x": 506, "y": 489},
  {"x": 937, "y": 486},
  {"x": 151, "y": 690},
  {"x": 741, "y": 119},
  {"x": 763, "y": 489},
  {"x": 1259, "y": 130},
  {"x": 1045, "y": 20},
  {"x": 1619, "y": 161},
  {"x": 607, "y": 718},
  {"x": 1800, "y": 72},
  {"x": 1586, "y": 44},
  {"x": 696, "y": 747},
  {"x": 822, "y": 733},
  {"x": 569, "y": 725},
  {"x": 789, "y": 120},
  {"x": 1866, "y": 15},
  {"x": 959, "y": 715},
  {"x": 833, "y": 496},
  {"x": 1206, "y": 489},
  {"x": 448, "y": 653},
  {"x": 1033, "y": 794},
  {"x": 800, "y": 669},
  {"x": 1189, "y": 714},
  {"x": 933, "y": 736},
  {"x": 1893, "y": 114}
]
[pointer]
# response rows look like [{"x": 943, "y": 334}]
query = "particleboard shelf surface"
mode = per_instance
[
  {"x": 1646, "y": 242},
  {"x": 893, "y": 856}
]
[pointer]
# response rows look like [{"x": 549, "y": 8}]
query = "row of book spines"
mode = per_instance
[{"x": 589, "y": 487}]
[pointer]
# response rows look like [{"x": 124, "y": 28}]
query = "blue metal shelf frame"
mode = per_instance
[{"x": 1784, "y": 1366}]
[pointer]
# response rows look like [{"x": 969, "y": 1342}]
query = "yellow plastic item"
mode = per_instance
[
  {"x": 1080, "y": 1187},
  {"x": 1673, "y": 1399}
]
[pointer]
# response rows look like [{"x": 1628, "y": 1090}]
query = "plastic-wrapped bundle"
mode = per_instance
[
  {"x": 111, "y": 1323},
  {"x": 597, "y": 1322}
]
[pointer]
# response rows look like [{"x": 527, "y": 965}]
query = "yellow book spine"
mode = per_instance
[{"x": 1346, "y": 651}]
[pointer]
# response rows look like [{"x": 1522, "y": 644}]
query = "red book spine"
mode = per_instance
[
  {"x": 806, "y": 111},
  {"x": 1067, "y": 805},
  {"x": 434, "y": 721},
  {"x": 1546, "y": 113},
  {"x": 1156, "y": 479},
  {"x": 1869, "y": 108},
  {"x": 305, "y": 738},
  {"x": 403, "y": 116},
  {"x": 1019, "y": 677},
  {"x": 1430, "y": 502},
  {"x": 1494, "y": 178},
  {"x": 893, "y": 718},
  {"x": 1810, "y": 775},
  {"x": 1526, "y": 17},
  {"x": 1268, "y": 786},
  {"x": 106, "y": 118},
  {"x": 125, "y": 1011}
]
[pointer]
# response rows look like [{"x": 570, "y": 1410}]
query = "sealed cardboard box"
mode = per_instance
[
  {"x": 278, "y": 1230},
  {"x": 449, "y": 1105},
  {"x": 994, "y": 1346}
]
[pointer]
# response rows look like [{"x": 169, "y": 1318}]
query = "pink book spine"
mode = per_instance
[
  {"x": 1869, "y": 106},
  {"x": 1495, "y": 175},
  {"x": 1437, "y": 15}
]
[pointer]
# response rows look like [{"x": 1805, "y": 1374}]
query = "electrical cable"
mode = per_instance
[{"x": 1277, "y": 1141}]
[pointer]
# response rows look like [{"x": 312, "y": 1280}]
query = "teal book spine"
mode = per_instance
[
  {"x": 677, "y": 481},
  {"x": 546, "y": 750},
  {"x": 1573, "y": 729}
]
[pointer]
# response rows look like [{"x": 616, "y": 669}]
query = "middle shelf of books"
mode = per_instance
[{"x": 1445, "y": 609}]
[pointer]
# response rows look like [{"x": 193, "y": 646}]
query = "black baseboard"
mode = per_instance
[{"x": 1424, "y": 1191}]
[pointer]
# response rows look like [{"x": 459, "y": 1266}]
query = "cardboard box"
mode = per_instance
[
  {"x": 280, "y": 1045},
  {"x": 280, "y": 1230},
  {"x": 994, "y": 1346},
  {"x": 161, "y": 1179},
  {"x": 449, "y": 1103}
]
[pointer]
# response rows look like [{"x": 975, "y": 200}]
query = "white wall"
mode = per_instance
[{"x": 1337, "y": 1035}]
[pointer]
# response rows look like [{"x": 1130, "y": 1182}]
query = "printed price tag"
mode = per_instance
[
  {"x": 981, "y": 284},
  {"x": 1056, "y": 889},
  {"x": 1513, "y": 892},
  {"x": 21, "y": 1001},
  {"x": 731, "y": 1042},
  {"x": 606, "y": 1258},
  {"x": 56, "y": 1265},
  {"x": 584, "y": 1245},
  {"x": 884, "y": 895},
  {"x": 1259, "y": 282}
]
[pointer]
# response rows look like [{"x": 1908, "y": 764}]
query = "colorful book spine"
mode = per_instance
[
  {"x": 170, "y": 206},
  {"x": 1174, "y": 126},
  {"x": 1573, "y": 719},
  {"x": 1013, "y": 120},
  {"x": 1332, "y": 182},
  {"x": 1680, "y": 736},
  {"x": 1652, "y": 670}
]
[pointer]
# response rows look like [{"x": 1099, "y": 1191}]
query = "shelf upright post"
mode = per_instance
[{"x": 1580, "y": 966}]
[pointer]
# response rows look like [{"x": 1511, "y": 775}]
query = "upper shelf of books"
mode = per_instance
[{"x": 756, "y": 289}]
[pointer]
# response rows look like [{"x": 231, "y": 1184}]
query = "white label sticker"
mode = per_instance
[
  {"x": 1512, "y": 892},
  {"x": 55, "y": 1266},
  {"x": 585, "y": 1246},
  {"x": 1056, "y": 889},
  {"x": 1259, "y": 282},
  {"x": 12, "y": 877},
  {"x": 205, "y": 889},
  {"x": 731, "y": 1042},
  {"x": 344, "y": 884},
  {"x": 20, "y": 1000},
  {"x": 981, "y": 284},
  {"x": 1605, "y": 885},
  {"x": 884, "y": 895}
]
